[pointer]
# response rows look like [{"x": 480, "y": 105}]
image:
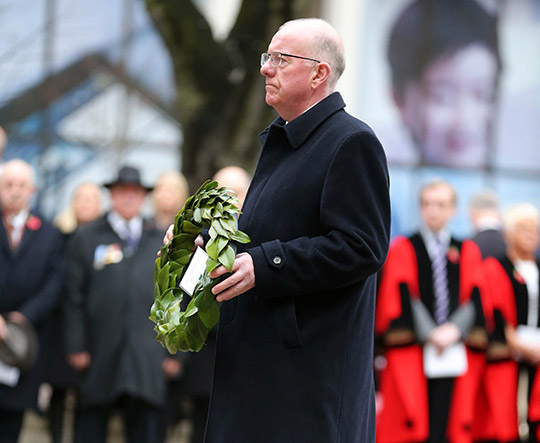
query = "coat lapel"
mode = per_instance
[{"x": 4, "y": 242}]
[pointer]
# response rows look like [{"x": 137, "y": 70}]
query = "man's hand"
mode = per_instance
[
  {"x": 79, "y": 360},
  {"x": 3, "y": 329},
  {"x": 17, "y": 317},
  {"x": 525, "y": 351},
  {"x": 171, "y": 367},
  {"x": 241, "y": 280},
  {"x": 168, "y": 235},
  {"x": 199, "y": 241},
  {"x": 14, "y": 316},
  {"x": 530, "y": 354},
  {"x": 444, "y": 336}
]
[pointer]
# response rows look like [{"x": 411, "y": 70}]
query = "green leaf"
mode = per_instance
[
  {"x": 222, "y": 242},
  {"x": 164, "y": 255},
  {"x": 163, "y": 278},
  {"x": 197, "y": 215},
  {"x": 212, "y": 233},
  {"x": 212, "y": 249},
  {"x": 210, "y": 316},
  {"x": 226, "y": 258},
  {"x": 188, "y": 203},
  {"x": 190, "y": 228},
  {"x": 219, "y": 229},
  {"x": 183, "y": 241},
  {"x": 211, "y": 185},
  {"x": 206, "y": 214},
  {"x": 211, "y": 264},
  {"x": 191, "y": 309},
  {"x": 228, "y": 225},
  {"x": 240, "y": 237}
]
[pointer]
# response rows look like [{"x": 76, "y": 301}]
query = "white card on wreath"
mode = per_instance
[{"x": 194, "y": 271}]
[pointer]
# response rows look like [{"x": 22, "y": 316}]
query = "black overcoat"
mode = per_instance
[
  {"x": 31, "y": 278},
  {"x": 294, "y": 355},
  {"x": 109, "y": 295}
]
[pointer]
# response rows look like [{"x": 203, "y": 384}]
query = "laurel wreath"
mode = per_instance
[{"x": 210, "y": 207}]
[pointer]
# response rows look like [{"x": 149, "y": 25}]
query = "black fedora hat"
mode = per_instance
[
  {"x": 20, "y": 347},
  {"x": 128, "y": 175}
]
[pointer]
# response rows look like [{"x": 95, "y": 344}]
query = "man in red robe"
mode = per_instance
[
  {"x": 429, "y": 297},
  {"x": 514, "y": 288}
]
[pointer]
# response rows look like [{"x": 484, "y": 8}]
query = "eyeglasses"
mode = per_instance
[{"x": 276, "y": 58}]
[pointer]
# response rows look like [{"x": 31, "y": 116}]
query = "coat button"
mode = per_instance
[{"x": 277, "y": 260}]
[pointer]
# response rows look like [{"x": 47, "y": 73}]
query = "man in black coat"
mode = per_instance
[
  {"x": 31, "y": 277},
  {"x": 487, "y": 223},
  {"x": 109, "y": 337},
  {"x": 295, "y": 340}
]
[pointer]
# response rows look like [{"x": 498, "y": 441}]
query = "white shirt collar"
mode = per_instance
[
  {"x": 120, "y": 225},
  {"x": 18, "y": 221},
  {"x": 430, "y": 238}
]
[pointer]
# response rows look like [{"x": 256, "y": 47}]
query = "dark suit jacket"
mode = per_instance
[
  {"x": 294, "y": 355},
  {"x": 109, "y": 295},
  {"x": 491, "y": 243},
  {"x": 31, "y": 278}
]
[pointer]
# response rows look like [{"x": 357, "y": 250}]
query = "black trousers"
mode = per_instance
[
  {"x": 200, "y": 412},
  {"x": 439, "y": 400},
  {"x": 142, "y": 422},
  {"x": 10, "y": 425}
]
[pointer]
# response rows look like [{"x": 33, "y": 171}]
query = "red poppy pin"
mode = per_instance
[
  {"x": 518, "y": 277},
  {"x": 33, "y": 223},
  {"x": 453, "y": 254}
]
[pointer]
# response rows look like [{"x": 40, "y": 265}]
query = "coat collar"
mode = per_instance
[{"x": 299, "y": 129}]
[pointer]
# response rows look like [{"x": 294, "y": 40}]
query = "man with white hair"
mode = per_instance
[
  {"x": 295, "y": 339},
  {"x": 31, "y": 277},
  {"x": 513, "y": 283}
]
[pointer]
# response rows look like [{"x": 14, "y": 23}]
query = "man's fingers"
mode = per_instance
[
  {"x": 241, "y": 280},
  {"x": 230, "y": 293},
  {"x": 199, "y": 241},
  {"x": 168, "y": 235},
  {"x": 218, "y": 272}
]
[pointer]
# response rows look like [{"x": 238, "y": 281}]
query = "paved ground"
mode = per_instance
[{"x": 35, "y": 430}]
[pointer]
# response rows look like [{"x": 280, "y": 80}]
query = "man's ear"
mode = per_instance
[{"x": 320, "y": 75}]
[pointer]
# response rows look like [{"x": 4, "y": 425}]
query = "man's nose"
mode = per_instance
[{"x": 267, "y": 69}]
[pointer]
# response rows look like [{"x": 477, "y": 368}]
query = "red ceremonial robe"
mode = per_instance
[
  {"x": 496, "y": 411},
  {"x": 404, "y": 416}
]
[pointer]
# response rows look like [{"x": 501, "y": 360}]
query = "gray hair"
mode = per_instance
[
  {"x": 485, "y": 200},
  {"x": 519, "y": 212}
]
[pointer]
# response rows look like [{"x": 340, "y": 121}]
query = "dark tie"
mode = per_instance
[
  {"x": 131, "y": 239},
  {"x": 440, "y": 282}
]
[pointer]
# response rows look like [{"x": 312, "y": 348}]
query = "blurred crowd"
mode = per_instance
[
  {"x": 75, "y": 298},
  {"x": 457, "y": 326}
]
